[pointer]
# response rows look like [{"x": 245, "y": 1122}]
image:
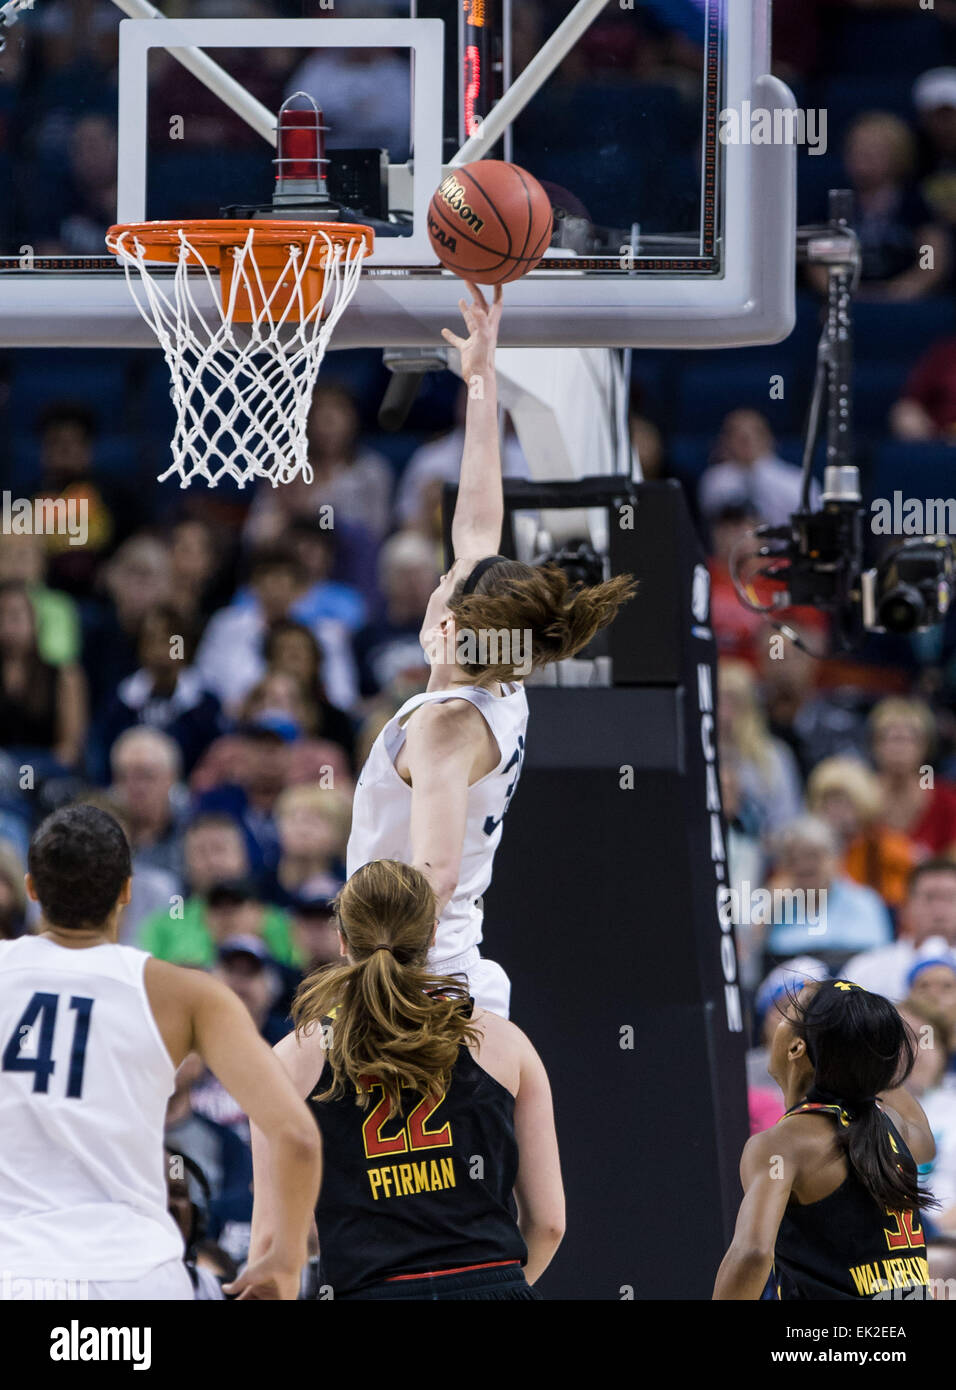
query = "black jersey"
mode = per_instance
[
  {"x": 844, "y": 1246},
  {"x": 427, "y": 1190}
]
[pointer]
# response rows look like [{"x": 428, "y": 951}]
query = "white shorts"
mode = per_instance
[
  {"x": 165, "y": 1282},
  {"x": 488, "y": 984}
]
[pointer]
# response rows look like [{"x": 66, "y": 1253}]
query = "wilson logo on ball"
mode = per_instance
[{"x": 452, "y": 193}]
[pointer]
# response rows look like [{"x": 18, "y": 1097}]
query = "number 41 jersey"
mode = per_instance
[
  {"x": 382, "y": 808},
  {"x": 84, "y": 1081}
]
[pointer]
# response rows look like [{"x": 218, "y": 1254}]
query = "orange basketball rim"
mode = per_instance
[{"x": 281, "y": 286}]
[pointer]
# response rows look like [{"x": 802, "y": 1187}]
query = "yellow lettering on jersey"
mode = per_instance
[
  {"x": 405, "y": 1172},
  {"x": 375, "y": 1178},
  {"x": 447, "y": 1172}
]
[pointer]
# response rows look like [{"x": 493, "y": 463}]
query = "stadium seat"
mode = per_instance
[
  {"x": 43, "y": 378},
  {"x": 706, "y": 393},
  {"x": 845, "y": 97},
  {"x": 199, "y": 183},
  {"x": 901, "y": 332},
  {"x": 876, "y": 386},
  {"x": 886, "y": 44},
  {"x": 918, "y": 470}
]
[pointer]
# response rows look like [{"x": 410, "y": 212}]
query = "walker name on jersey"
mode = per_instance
[
  {"x": 902, "y": 1273},
  {"x": 76, "y": 1343},
  {"x": 408, "y": 1179}
]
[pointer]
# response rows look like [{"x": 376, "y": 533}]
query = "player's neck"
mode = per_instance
[
  {"x": 78, "y": 938},
  {"x": 448, "y": 677}
]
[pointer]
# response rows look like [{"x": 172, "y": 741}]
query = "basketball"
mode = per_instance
[{"x": 490, "y": 222}]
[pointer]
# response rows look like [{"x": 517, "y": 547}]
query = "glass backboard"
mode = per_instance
[{"x": 664, "y": 234}]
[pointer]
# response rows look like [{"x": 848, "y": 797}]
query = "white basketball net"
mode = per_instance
[{"x": 241, "y": 391}]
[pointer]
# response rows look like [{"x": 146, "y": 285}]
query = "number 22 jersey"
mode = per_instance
[{"x": 382, "y": 808}]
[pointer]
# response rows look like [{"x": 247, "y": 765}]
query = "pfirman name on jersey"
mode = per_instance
[
  {"x": 45, "y": 516},
  {"x": 407, "y": 1179},
  {"x": 76, "y": 1343}
]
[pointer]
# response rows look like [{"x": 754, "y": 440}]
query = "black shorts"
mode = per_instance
[{"x": 504, "y": 1283}]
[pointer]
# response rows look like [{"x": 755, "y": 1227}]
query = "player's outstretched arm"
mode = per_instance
[
  {"x": 441, "y": 746},
  {"x": 198, "y": 1014},
  {"x": 479, "y": 512},
  {"x": 302, "y": 1058},
  {"x": 539, "y": 1191},
  {"x": 768, "y": 1169}
]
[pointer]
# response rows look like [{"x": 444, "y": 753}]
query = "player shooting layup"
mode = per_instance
[{"x": 441, "y": 774}]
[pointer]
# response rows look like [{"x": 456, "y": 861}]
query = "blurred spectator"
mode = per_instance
[
  {"x": 146, "y": 768},
  {"x": 153, "y": 890},
  {"x": 314, "y": 931},
  {"x": 136, "y": 579},
  {"x": 245, "y": 965},
  {"x": 23, "y": 559},
  {"x": 364, "y": 94},
  {"x": 389, "y": 646},
  {"x": 892, "y": 221},
  {"x": 214, "y": 852},
  {"x": 848, "y": 796},
  {"x": 817, "y": 908},
  {"x": 231, "y": 655},
  {"x": 927, "y": 927},
  {"x": 194, "y": 561},
  {"x": 931, "y": 987},
  {"x": 736, "y": 628},
  {"x": 313, "y": 823},
  {"x": 291, "y": 649},
  {"x": 917, "y": 802},
  {"x": 647, "y": 443},
  {"x": 768, "y": 777},
  {"x": 13, "y": 898},
  {"x": 748, "y": 474},
  {"x": 43, "y": 708},
  {"x": 764, "y": 1098},
  {"x": 927, "y": 407},
  {"x": 314, "y": 546},
  {"x": 934, "y": 97},
  {"x": 167, "y": 692},
  {"x": 67, "y": 439},
  {"x": 212, "y": 124},
  {"x": 263, "y": 772},
  {"x": 418, "y": 501},
  {"x": 927, "y": 1082},
  {"x": 355, "y": 481},
  {"x": 745, "y": 863},
  {"x": 279, "y": 700},
  {"x": 815, "y": 724}
]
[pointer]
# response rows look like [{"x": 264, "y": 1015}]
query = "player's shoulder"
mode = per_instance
[
  {"x": 183, "y": 984},
  {"x": 501, "y": 1035},
  {"x": 451, "y": 722}
]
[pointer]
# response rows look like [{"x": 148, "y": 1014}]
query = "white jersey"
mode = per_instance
[
  {"x": 382, "y": 809},
  {"x": 84, "y": 1082}
]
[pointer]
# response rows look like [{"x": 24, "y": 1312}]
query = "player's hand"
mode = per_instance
[
  {"x": 266, "y": 1280},
  {"x": 482, "y": 321}
]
